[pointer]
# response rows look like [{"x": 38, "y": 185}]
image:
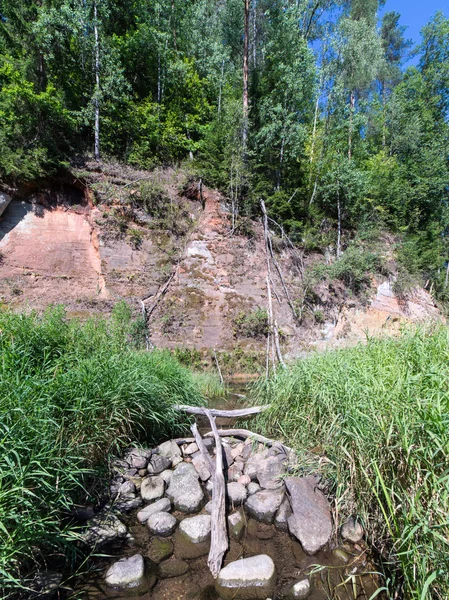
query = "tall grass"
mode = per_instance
[
  {"x": 375, "y": 419},
  {"x": 70, "y": 395}
]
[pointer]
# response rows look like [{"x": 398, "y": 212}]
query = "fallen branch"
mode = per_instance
[
  {"x": 245, "y": 433},
  {"x": 219, "y": 538},
  {"x": 202, "y": 448},
  {"x": 230, "y": 414}
]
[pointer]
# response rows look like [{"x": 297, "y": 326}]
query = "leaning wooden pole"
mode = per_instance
[{"x": 219, "y": 537}]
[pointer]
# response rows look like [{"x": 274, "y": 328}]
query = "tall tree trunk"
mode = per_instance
[
  {"x": 254, "y": 34},
  {"x": 174, "y": 24},
  {"x": 97, "y": 86},
  {"x": 339, "y": 222},
  {"x": 221, "y": 86},
  {"x": 351, "y": 118},
  {"x": 384, "y": 116},
  {"x": 245, "y": 76}
]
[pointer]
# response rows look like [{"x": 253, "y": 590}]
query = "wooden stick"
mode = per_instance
[
  {"x": 230, "y": 414},
  {"x": 245, "y": 433},
  {"x": 202, "y": 448},
  {"x": 273, "y": 326},
  {"x": 219, "y": 538},
  {"x": 218, "y": 368}
]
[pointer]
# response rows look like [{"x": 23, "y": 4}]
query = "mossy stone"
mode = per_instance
[{"x": 159, "y": 549}]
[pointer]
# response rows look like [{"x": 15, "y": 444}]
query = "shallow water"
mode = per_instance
[{"x": 344, "y": 573}]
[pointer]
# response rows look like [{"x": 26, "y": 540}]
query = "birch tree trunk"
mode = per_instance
[
  {"x": 97, "y": 87},
  {"x": 245, "y": 76}
]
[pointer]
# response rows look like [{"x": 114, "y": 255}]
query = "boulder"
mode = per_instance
[
  {"x": 105, "y": 527},
  {"x": 311, "y": 521},
  {"x": 253, "y": 487},
  {"x": 282, "y": 515},
  {"x": 234, "y": 472},
  {"x": 169, "y": 449},
  {"x": 237, "y": 451},
  {"x": 185, "y": 490},
  {"x": 248, "y": 578},
  {"x": 352, "y": 531},
  {"x": 264, "y": 504},
  {"x": 236, "y": 493},
  {"x": 166, "y": 475},
  {"x": 152, "y": 488},
  {"x": 245, "y": 480},
  {"x": 269, "y": 472},
  {"x": 138, "y": 458},
  {"x": 196, "y": 529},
  {"x": 190, "y": 449},
  {"x": 127, "y": 573},
  {"x": 161, "y": 523},
  {"x": 236, "y": 525},
  {"x": 162, "y": 505},
  {"x": 201, "y": 467},
  {"x": 176, "y": 460},
  {"x": 127, "y": 503},
  {"x": 252, "y": 464},
  {"x": 157, "y": 464}
]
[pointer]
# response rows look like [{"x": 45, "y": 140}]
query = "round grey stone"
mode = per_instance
[
  {"x": 236, "y": 493},
  {"x": 196, "y": 529},
  {"x": 152, "y": 488},
  {"x": 253, "y": 577},
  {"x": 126, "y": 572},
  {"x": 162, "y": 505},
  {"x": 352, "y": 531},
  {"x": 161, "y": 523}
]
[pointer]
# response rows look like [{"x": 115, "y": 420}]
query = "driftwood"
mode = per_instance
[
  {"x": 230, "y": 414},
  {"x": 218, "y": 368},
  {"x": 245, "y": 433},
  {"x": 219, "y": 537},
  {"x": 202, "y": 448},
  {"x": 272, "y": 325}
]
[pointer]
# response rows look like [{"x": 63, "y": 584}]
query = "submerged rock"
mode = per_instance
[
  {"x": 264, "y": 504},
  {"x": 282, "y": 515},
  {"x": 161, "y": 523},
  {"x": 127, "y": 573},
  {"x": 301, "y": 589},
  {"x": 247, "y": 578},
  {"x": 105, "y": 527},
  {"x": 159, "y": 549},
  {"x": 172, "y": 568},
  {"x": 352, "y": 531},
  {"x": 162, "y": 505},
  {"x": 185, "y": 490},
  {"x": 236, "y": 525},
  {"x": 311, "y": 521},
  {"x": 196, "y": 529}
]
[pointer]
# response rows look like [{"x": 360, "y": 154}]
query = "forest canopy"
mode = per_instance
[{"x": 305, "y": 104}]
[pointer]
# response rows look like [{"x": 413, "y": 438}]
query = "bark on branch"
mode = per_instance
[{"x": 230, "y": 414}]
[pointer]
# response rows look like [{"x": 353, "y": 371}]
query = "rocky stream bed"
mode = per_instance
[{"x": 155, "y": 535}]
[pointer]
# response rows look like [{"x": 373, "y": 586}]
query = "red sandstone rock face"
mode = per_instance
[{"x": 64, "y": 255}]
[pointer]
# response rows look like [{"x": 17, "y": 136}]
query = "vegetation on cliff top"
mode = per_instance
[
  {"x": 71, "y": 395},
  {"x": 374, "y": 420},
  {"x": 337, "y": 133}
]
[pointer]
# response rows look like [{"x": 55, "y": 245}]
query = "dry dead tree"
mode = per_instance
[
  {"x": 245, "y": 433},
  {"x": 219, "y": 536},
  {"x": 202, "y": 448},
  {"x": 230, "y": 414}
]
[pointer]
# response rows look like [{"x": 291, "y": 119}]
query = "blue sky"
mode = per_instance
[{"x": 416, "y": 13}]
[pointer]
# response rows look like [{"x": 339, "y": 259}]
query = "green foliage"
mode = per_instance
[
  {"x": 70, "y": 395},
  {"x": 379, "y": 415},
  {"x": 252, "y": 325}
]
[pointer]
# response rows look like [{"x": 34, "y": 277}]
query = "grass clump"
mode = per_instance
[
  {"x": 70, "y": 395},
  {"x": 379, "y": 414}
]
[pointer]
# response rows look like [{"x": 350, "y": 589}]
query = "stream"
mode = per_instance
[{"x": 344, "y": 571}]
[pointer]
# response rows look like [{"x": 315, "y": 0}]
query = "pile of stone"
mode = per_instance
[{"x": 176, "y": 477}]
